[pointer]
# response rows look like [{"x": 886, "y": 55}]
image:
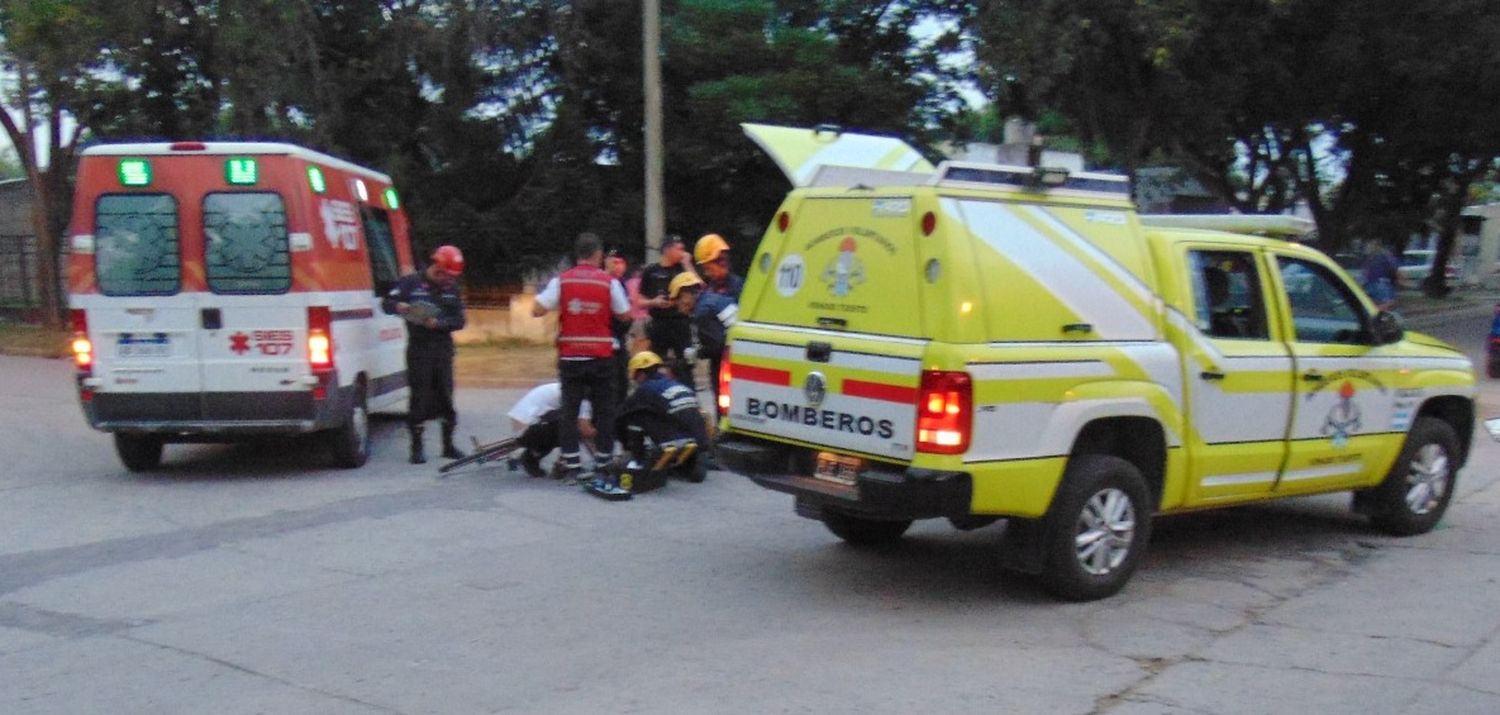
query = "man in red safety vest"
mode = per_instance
[{"x": 587, "y": 299}]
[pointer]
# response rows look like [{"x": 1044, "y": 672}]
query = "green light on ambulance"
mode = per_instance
[
  {"x": 315, "y": 180},
  {"x": 392, "y": 202},
  {"x": 241, "y": 171},
  {"x": 134, "y": 172}
]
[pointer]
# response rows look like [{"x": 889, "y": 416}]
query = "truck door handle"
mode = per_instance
[
  {"x": 1211, "y": 375},
  {"x": 1313, "y": 376},
  {"x": 213, "y": 319},
  {"x": 1084, "y": 328}
]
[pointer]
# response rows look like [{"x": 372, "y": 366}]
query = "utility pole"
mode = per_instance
[{"x": 656, "y": 220}]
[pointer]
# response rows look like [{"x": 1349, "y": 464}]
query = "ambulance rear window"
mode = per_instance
[
  {"x": 135, "y": 238},
  {"x": 246, "y": 243}
]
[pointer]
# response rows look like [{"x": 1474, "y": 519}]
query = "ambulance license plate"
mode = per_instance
[
  {"x": 143, "y": 346},
  {"x": 838, "y": 468}
]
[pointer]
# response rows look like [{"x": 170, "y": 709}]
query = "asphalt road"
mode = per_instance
[{"x": 255, "y": 578}]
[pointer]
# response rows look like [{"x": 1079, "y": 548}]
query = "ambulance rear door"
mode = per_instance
[
  {"x": 253, "y": 327},
  {"x": 142, "y": 321}
]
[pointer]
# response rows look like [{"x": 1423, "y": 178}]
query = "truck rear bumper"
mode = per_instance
[{"x": 880, "y": 491}]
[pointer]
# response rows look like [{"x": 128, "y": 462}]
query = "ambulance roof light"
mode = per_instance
[
  {"x": 134, "y": 172},
  {"x": 392, "y": 201},
  {"x": 315, "y": 180},
  {"x": 241, "y": 171}
]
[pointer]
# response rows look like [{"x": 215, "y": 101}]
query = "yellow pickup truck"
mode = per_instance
[{"x": 977, "y": 342}]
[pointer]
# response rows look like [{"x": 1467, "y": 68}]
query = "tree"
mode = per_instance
[
  {"x": 57, "y": 82},
  {"x": 1373, "y": 115}
]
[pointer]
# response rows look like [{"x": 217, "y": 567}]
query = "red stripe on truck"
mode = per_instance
[
  {"x": 768, "y": 375},
  {"x": 880, "y": 391}
]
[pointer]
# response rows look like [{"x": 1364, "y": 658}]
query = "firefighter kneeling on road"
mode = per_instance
[{"x": 660, "y": 424}]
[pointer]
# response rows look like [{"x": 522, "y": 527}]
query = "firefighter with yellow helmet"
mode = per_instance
[
  {"x": 711, "y": 253},
  {"x": 665, "y": 412}
]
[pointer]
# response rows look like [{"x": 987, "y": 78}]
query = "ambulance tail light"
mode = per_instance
[
  {"x": 724, "y": 377},
  {"x": 83, "y": 348},
  {"x": 320, "y": 345},
  {"x": 188, "y": 146},
  {"x": 945, "y": 412}
]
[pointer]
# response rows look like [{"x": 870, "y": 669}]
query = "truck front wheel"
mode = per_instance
[
  {"x": 1097, "y": 529},
  {"x": 1416, "y": 493},
  {"x": 138, "y": 452},
  {"x": 861, "y": 531}
]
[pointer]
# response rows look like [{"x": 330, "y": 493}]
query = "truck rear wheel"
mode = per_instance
[
  {"x": 351, "y": 442},
  {"x": 862, "y": 531},
  {"x": 138, "y": 452},
  {"x": 1097, "y": 530},
  {"x": 1416, "y": 493}
]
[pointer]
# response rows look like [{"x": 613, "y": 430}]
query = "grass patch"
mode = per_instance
[
  {"x": 505, "y": 363},
  {"x": 33, "y": 340}
]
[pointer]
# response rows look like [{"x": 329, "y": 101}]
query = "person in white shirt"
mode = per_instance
[{"x": 536, "y": 418}]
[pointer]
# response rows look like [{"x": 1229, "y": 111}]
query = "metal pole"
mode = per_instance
[{"x": 656, "y": 220}]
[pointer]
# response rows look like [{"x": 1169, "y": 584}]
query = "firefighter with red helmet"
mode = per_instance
[
  {"x": 430, "y": 302},
  {"x": 587, "y": 300}
]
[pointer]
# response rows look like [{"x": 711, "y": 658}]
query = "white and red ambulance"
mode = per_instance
[{"x": 222, "y": 290}]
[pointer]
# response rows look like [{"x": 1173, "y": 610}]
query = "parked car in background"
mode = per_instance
[{"x": 1416, "y": 265}]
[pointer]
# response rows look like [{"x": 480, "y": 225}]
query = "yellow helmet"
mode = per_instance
[
  {"x": 709, "y": 247},
  {"x": 643, "y": 360},
  {"x": 682, "y": 280}
]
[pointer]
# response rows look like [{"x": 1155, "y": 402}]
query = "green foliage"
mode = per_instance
[{"x": 1376, "y": 115}]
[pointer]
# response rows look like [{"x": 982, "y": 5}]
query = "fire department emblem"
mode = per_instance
[
  {"x": 844, "y": 271},
  {"x": 815, "y": 388},
  {"x": 1344, "y": 419}
]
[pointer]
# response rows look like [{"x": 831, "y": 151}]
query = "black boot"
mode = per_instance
[
  {"x": 450, "y": 451},
  {"x": 417, "y": 455}
]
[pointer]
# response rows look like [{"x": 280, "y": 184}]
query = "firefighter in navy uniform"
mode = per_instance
[
  {"x": 588, "y": 300},
  {"x": 666, "y": 411},
  {"x": 433, "y": 308}
]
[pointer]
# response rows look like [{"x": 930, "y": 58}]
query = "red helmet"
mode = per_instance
[{"x": 449, "y": 258}]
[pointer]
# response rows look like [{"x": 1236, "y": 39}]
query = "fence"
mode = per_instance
[{"x": 19, "y": 287}]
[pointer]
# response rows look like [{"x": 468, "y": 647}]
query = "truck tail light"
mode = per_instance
[
  {"x": 945, "y": 412},
  {"x": 83, "y": 348},
  {"x": 723, "y": 377}
]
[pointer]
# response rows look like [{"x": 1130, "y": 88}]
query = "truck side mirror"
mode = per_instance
[{"x": 1387, "y": 328}]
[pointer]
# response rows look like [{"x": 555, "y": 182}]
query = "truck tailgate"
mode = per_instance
[{"x": 843, "y": 392}]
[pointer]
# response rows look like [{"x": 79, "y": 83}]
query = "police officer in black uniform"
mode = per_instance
[
  {"x": 433, "y": 308},
  {"x": 670, "y": 330}
]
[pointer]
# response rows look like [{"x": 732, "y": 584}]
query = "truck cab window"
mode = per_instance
[
  {"x": 382, "y": 247},
  {"x": 1324, "y": 309},
  {"x": 136, "y": 245},
  {"x": 1226, "y": 295},
  {"x": 246, "y": 250}
]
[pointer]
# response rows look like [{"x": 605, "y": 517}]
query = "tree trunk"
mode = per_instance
[
  {"x": 1450, "y": 210},
  {"x": 48, "y": 269}
]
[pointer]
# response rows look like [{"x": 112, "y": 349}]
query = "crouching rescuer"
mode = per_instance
[
  {"x": 660, "y": 424},
  {"x": 430, "y": 302}
]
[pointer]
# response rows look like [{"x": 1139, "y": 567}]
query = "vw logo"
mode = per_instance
[{"x": 815, "y": 388}]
